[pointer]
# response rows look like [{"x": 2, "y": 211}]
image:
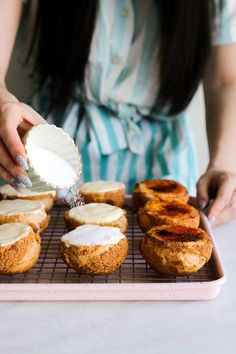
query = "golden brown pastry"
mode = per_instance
[
  {"x": 176, "y": 250},
  {"x": 47, "y": 198},
  {"x": 93, "y": 249},
  {"x": 19, "y": 248},
  {"x": 109, "y": 192},
  {"x": 163, "y": 190},
  {"x": 155, "y": 213},
  {"x": 98, "y": 214},
  {"x": 24, "y": 211}
]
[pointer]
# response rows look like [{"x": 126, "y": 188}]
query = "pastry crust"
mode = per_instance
[
  {"x": 27, "y": 212},
  {"x": 21, "y": 255},
  {"x": 47, "y": 199},
  {"x": 121, "y": 222},
  {"x": 176, "y": 250},
  {"x": 38, "y": 222},
  {"x": 109, "y": 192},
  {"x": 95, "y": 260},
  {"x": 161, "y": 190},
  {"x": 115, "y": 198},
  {"x": 155, "y": 213}
]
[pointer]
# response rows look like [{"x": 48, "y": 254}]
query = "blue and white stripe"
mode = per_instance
[{"x": 118, "y": 135}]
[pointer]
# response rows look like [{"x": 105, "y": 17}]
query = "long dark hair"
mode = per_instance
[{"x": 63, "y": 34}]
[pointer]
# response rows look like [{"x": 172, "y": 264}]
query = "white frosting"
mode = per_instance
[
  {"x": 21, "y": 206},
  {"x": 24, "y": 192},
  {"x": 101, "y": 186},
  {"x": 92, "y": 235},
  {"x": 51, "y": 167},
  {"x": 12, "y": 232},
  {"x": 96, "y": 213}
]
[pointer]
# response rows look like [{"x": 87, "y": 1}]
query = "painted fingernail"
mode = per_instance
[
  {"x": 202, "y": 204},
  {"x": 15, "y": 183},
  {"x": 24, "y": 179},
  {"x": 21, "y": 162},
  {"x": 212, "y": 220}
]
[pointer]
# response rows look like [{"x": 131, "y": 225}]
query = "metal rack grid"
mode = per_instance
[{"x": 50, "y": 269}]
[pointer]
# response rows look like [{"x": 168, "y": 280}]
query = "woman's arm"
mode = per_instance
[
  {"x": 219, "y": 181},
  {"x": 15, "y": 117},
  {"x": 10, "y": 13}
]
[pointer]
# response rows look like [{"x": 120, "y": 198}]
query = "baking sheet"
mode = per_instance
[{"x": 51, "y": 279}]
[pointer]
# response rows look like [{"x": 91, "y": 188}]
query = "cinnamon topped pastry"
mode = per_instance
[
  {"x": 156, "y": 213},
  {"x": 176, "y": 250},
  {"x": 161, "y": 190}
]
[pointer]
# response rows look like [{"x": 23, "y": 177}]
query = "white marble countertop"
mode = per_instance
[{"x": 127, "y": 327}]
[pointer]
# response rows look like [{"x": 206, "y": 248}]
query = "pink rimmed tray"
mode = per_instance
[{"x": 52, "y": 280}]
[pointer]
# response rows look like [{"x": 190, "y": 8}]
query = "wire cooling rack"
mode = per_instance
[{"x": 50, "y": 269}]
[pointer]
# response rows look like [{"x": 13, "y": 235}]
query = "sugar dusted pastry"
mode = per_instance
[
  {"x": 94, "y": 249},
  {"x": 19, "y": 248},
  {"x": 155, "y": 213},
  {"x": 161, "y": 190},
  {"x": 176, "y": 250},
  {"x": 110, "y": 192},
  {"x": 47, "y": 198},
  {"x": 24, "y": 211},
  {"x": 98, "y": 214}
]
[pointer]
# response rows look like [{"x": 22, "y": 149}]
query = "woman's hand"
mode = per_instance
[
  {"x": 16, "y": 119},
  {"x": 219, "y": 185}
]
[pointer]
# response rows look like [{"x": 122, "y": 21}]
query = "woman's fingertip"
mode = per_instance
[
  {"x": 15, "y": 183},
  {"x": 212, "y": 219},
  {"x": 22, "y": 162},
  {"x": 24, "y": 179},
  {"x": 201, "y": 204}
]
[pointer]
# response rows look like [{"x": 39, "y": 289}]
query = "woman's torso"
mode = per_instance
[{"x": 112, "y": 121}]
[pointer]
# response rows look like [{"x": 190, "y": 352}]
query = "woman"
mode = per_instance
[{"x": 117, "y": 75}]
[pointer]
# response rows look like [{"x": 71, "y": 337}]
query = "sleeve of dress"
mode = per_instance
[{"x": 225, "y": 23}]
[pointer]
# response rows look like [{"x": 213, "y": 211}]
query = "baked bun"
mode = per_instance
[
  {"x": 176, "y": 250},
  {"x": 93, "y": 249},
  {"x": 163, "y": 190},
  {"x": 47, "y": 198},
  {"x": 98, "y": 214},
  {"x": 156, "y": 213},
  {"x": 19, "y": 248},
  {"x": 109, "y": 192},
  {"x": 24, "y": 211}
]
